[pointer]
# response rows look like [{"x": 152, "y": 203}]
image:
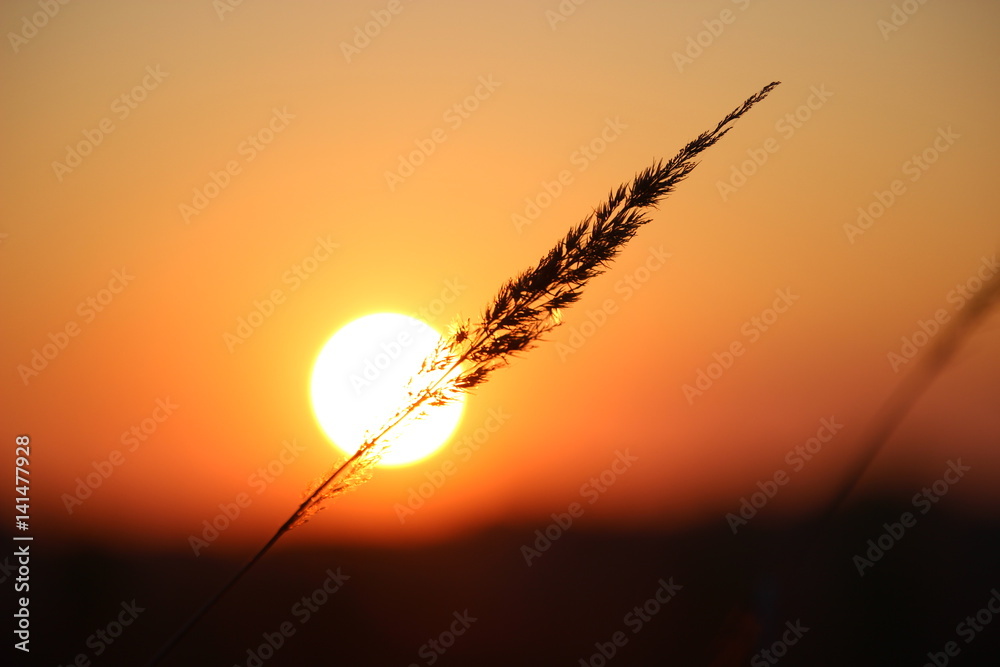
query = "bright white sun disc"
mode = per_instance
[{"x": 359, "y": 381}]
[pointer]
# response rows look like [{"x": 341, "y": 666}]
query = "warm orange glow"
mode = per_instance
[{"x": 201, "y": 197}]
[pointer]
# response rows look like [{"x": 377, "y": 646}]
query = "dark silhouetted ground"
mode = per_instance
[{"x": 740, "y": 594}]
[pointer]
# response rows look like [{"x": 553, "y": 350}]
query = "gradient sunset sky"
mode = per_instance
[{"x": 168, "y": 166}]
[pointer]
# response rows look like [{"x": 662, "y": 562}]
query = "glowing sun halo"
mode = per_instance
[{"x": 359, "y": 380}]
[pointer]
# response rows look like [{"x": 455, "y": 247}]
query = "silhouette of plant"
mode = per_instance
[{"x": 523, "y": 311}]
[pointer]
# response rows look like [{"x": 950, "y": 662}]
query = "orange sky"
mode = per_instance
[{"x": 168, "y": 167}]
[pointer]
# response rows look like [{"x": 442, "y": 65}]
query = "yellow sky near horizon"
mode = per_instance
[{"x": 168, "y": 167}]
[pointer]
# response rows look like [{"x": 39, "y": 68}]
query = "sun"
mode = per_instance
[{"x": 359, "y": 381}]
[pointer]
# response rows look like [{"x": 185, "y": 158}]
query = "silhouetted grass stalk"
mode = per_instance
[
  {"x": 902, "y": 399},
  {"x": 892, "y": 412},
  {"x": 526, "y": 308}
]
